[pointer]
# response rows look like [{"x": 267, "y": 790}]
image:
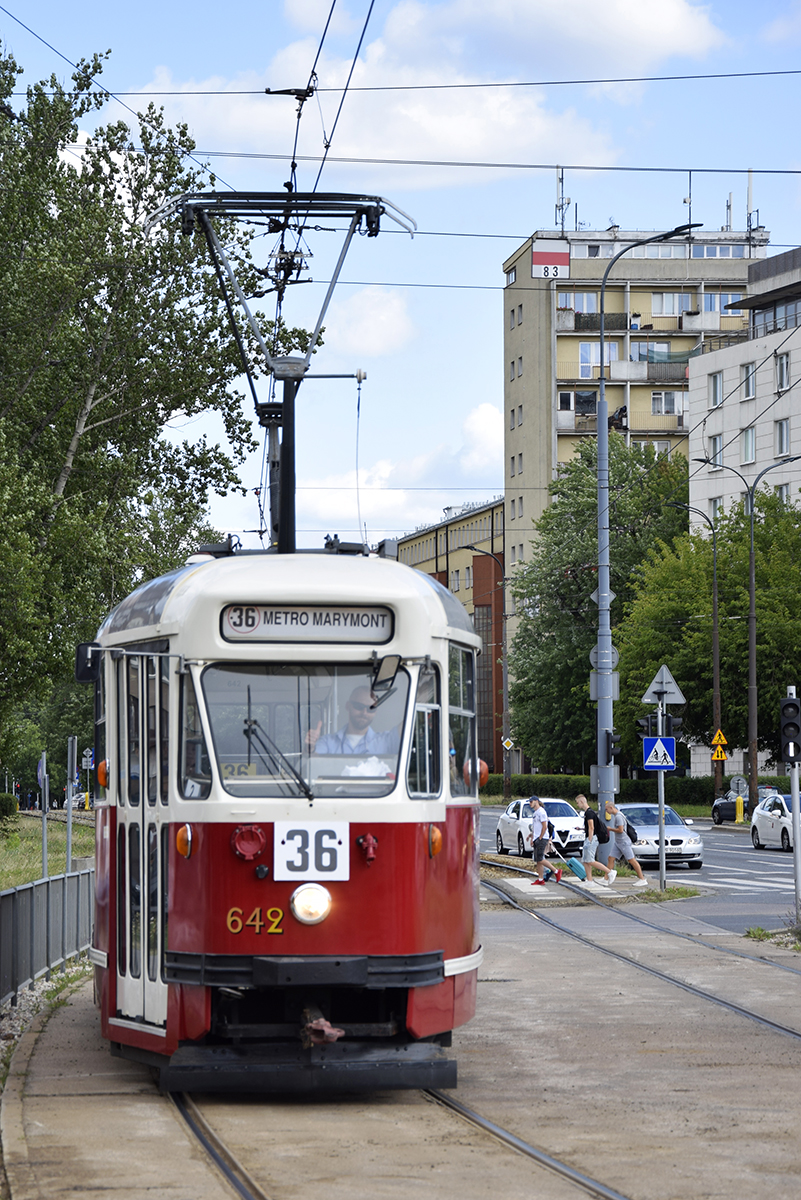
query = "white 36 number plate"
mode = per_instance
[{"x": 311, "y": 850}]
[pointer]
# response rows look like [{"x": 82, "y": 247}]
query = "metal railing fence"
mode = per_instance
[{"x": 43, "y": 924}]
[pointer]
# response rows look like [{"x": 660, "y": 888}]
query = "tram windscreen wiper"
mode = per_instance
[{"x": 265, "y": 745}]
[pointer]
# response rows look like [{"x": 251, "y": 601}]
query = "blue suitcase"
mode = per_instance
[{"x": 577, "y": 868}]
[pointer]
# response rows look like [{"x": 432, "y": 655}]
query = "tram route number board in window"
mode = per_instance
[{"x": 311, "y": 850}]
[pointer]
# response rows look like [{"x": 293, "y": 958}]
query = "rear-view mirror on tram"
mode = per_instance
[
  {"x": 384, "y": 673},
  {"x": 88, "y": 657}
]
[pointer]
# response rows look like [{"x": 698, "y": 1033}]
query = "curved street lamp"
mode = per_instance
[
  {"x": 716, "y": 718},
  {"x": 605, "y": 655},
  {"x": 752, "y": 672},
  {"x": 507, "y": 774}
]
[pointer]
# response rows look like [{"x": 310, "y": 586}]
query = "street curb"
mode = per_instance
[{"x": 19, "y": 1173}]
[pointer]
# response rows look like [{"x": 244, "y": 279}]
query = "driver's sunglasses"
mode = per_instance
[{"x": 354, "y": 704}]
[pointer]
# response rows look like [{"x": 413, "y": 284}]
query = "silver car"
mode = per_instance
[{"x": 682, "y": 845}]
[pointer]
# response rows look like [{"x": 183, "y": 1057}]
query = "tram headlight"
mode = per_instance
[{"x": 310, "y": 903}]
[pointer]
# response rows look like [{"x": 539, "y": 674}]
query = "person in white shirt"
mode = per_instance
[{"x": 539, "y": 833}]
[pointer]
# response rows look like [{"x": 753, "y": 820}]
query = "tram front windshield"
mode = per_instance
[{"x": 276, "y": 726}]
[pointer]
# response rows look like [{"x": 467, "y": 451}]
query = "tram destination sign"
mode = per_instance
[{"x": 320, "y": 623}]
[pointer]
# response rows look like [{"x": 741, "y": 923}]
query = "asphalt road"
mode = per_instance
[{"x": 741, "y": 887}]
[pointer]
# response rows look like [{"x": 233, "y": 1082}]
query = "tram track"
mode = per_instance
[
  {"x": 655, "y": 972},
  {"x": 692, "y": 938},
  {"x": 243, "y": 1183}
]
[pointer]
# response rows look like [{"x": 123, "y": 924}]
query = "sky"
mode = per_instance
[{"x": 475, "y": 166}]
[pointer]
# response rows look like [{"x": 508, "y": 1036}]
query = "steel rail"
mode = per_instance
[
  {"x": 229, "y": 1166},
  {"x": 592, "y": 1186},
  {"x": 689, "y": 937},
  {"x": 774, "y": 1026}
]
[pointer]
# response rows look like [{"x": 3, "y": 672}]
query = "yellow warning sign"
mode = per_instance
[
  {"x": 719, "y": 754},
  {"x": 719, "y": 739}
]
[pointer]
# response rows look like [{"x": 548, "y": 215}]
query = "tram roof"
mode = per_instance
[{"x": 159, "y": 607}]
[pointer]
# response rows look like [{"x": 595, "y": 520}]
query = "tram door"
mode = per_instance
[{"x": 143, "y": 712}]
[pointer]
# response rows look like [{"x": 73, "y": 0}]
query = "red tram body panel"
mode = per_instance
[{"x": 287, "y": 849}]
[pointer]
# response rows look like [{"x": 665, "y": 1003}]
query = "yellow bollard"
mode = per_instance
[
  {"x": 86, "y": 803},
  {"x": 738, "y": 809}
]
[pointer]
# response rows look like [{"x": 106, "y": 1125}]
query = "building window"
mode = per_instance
[
  {"x": 716, "y": 389},
  {"x": 748, "y": 445},
  {"x": 652, "y": 352},
  {"x": 512, "y": 510},
  {"x": 666, "y": 403},
  {"x": 748, "y": 380},
  {"x": 513, "y": 554},
  {"x": 511, "y": 318},
  {"x": 584, "y": 302},
  {"x": 670, "y": 304},
  {"x": 454, "y": 581},
  {"x": 511, "y": 418},
  {"x": 511, "y": 276},
  {"x": 520, "y": 314},
  {"x": 519, "y": 367},
  {"x": 565, "y": 401},
  {"x": 715, "y": 507},
  {"x": 783, "y": 492},
  {"x": 512, "y": 465},
  {"x": 520, "y": 552},
  {"x": 590, "y": 357},
  {"x": 520, "y": 463},
  {"x": 782, "y": 436},
  {"x": 718, "y": 251},
  {"x": 716, "y": 450},
  {"x": 662, "y": 448},
  {"x": 717, "y": 301},
  {"x": 520, "y": 507},
  {"x": 586, "y": 403},
  {"x": 782, "y": 372},
  {"x": 468, "y": 578},
  {"x": 520, "y": 414},
  {"x": 660, "y": 250},
  {"x": 512, "y": 371}
]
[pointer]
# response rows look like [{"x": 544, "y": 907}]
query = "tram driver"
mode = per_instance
[{"x": 357, "y": 737}]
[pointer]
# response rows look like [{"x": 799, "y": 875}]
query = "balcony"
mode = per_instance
[
  {"x": 620, "y": 371},
  {"x": 568, "y": 321},
  {"x": 641, "y": 422}
]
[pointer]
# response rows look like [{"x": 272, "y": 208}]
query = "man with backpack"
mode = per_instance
[
  {"x": 620, "y": 843},
  {"x": 595, "y": 832},
  {"x": 541, "y": 837}
]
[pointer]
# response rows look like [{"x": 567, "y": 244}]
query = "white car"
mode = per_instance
[
  {"x": 772, "y": 822},
  {"x": 514, "y": 827}
]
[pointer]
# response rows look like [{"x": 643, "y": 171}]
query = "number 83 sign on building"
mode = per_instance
[{"x": 550, "y": 259}]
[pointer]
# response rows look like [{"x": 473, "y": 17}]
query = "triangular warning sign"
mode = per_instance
[
  {"x": 719, "y": 754},
  {"x": 659, "y": 756},
  {"x": 719, "y": 739}
]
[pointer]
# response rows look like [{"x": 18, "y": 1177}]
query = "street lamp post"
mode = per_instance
[
  {"x": 752, "y": 671},
  {"x": 716, "y": 717},
  {"x": 605, "y": 653},
  {"x": 507, "y": 774}
]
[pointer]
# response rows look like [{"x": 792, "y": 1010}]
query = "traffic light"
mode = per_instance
[
  {"x": 790, "y": 712},
  {"x": 646, "y": 726},
  {"x": 673, "y": 725},
  {"x": 612, "y": 747}
]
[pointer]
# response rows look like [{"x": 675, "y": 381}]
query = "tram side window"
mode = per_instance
[
  {"x": 134, "y": 695},
  {"x": 100, "y": 731},
  {"x": 152, "y": 902},
  {"x": 462, "y": 722},
  {"x": 151, "y": 730},
  {"x": 195, "y": 767},
  {"x": 135, "y": 899},
  {"x": 424, "y": 774},
  {"x": 122, "y": 905},
  {"x": 121, "y": 775},
  {"x": 164, "y": 729}
]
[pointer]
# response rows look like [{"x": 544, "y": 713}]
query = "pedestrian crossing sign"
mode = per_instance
[
  {"x": 719, "y": 740},
  {"x": 659, "y": 753}
]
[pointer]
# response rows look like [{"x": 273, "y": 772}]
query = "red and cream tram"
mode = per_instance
[{"x": 287, "y": 831}]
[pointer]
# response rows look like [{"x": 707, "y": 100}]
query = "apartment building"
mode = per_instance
[
  {"x": 745, "y": 398},
  {"x": 475, "y": 576},
  {"x": 664, "y": 303}
]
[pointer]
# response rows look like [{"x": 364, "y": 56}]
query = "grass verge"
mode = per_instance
[{"x": 21, "y": 847}]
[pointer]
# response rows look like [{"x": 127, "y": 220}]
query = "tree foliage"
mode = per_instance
[
  {"x": 669, "y": 620},
  {"x": 552, "y": 717},
  {"x": 112, "y": 329}
]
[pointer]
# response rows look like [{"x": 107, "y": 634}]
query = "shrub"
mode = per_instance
[{"x": 8, "y": 805}]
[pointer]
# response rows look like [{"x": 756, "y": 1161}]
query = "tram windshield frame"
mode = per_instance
[{"x": 280, "y": 729}]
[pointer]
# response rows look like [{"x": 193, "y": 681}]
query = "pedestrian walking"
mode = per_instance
[
  {"x": 589, "y": 854},
  {"x": 540, "y": 838},
  {"x": 620, "y": 843}
]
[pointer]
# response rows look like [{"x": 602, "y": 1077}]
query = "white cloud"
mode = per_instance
[
  {"x": 312, "y": 15},
  {"x": 394, "y": 490},
  {"x": 370, "y": 323},
  {"x": 785, "y": 29}
]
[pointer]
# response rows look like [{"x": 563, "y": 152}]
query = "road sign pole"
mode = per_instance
[
  {"x": 660, "y": 791},
  {"x": 795, "y": 812}
]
